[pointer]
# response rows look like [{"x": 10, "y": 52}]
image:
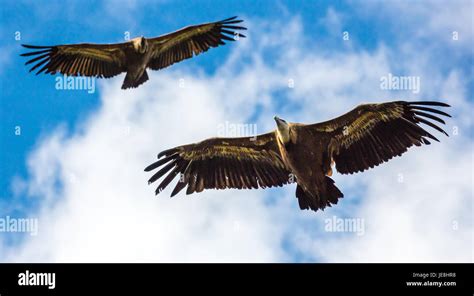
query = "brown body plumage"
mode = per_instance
[
  {"x": 356, "y": 141},
  {"x": 134, "y": 56}
]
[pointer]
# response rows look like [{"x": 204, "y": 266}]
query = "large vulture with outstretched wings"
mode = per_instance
[
  {"x": 132, "y": 57},
  {"x": 356, "y": 141}
]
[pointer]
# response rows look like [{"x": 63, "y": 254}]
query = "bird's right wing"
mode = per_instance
[
  {"x": 219, "y": 163},
  {"x": 374, "y": 133},
  {"x": 85, "y": 59},
  {"x": 192, "y": 40}
]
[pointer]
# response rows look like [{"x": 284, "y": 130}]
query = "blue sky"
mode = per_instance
[{"x": 32, "y": 102}]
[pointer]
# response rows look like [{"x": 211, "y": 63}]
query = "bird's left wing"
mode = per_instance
[
  {"x": 192, "y": 40},
  {"x": 219, "y": 163},
  {"x": 85, "y": 59},
  {"x": 374, "y": 133}
]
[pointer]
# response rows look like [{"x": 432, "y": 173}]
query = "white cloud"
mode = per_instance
[
  {"x": 106, "y": 212},
  {"x": 333, "y": 21},
  {"x": 425, "y": 21}
]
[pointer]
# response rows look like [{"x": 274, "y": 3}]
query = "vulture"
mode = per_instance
[
  {"x": 134, "y": 56},
  {"x": 359, "y": 140}
]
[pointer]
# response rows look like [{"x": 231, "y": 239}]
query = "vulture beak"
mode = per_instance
[
  {"x": 280, "y": 122},
  {"x": 283, "y": 129}
]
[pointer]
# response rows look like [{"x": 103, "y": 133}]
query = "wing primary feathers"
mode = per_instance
[
  {"x": 430, "y": 110},
  {"x": 234, "y": 27},
  {"x": 161, "y": 162},
  {"x": 228, "y": 19},
  {"x": 37, "y": 58},
  {"x": 167, "y": 152},
  {"x": 36, "y": 46},
  {"x": 191, "y": 178},
  {"x": 179, "y": 186},
  {"x": 429, "y": 103},
  {"x": 38, "y": 64},
  {"x": 234, "y": 21},
  {"x": 227, "y": 32},
  {"x": 78, "y": 59},
  {"x": 232, "y": 33},
  {"x": 419, "y": 129},
  {"x": 170, "y": 177},
  {"x": 192, "y": 41},
  {"x": 54, "y": 63},
  {"x": 181, "y": 183},
  {"x": 431, "y": 124},
  {"x": 27, "y": 54},
  {"x": 429, "y": 116},
  {"x": 227, "y": 38},
  {"x": 220, "y": 163},
  {"x": 162, "y": 171},
  {"x": 381, "y": 132},
  {"x": 42, "y": 69}
]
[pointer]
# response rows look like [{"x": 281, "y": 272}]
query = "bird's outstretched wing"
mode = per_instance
[
  {"x": 192, "y": 40},
  {"x": 219, "y": 163},
  {"x": 84, "y": 59},
  {"x": 374, "y": 133}
]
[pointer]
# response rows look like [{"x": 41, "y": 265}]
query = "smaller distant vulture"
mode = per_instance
[
  {"x": 356, "y": 141},
  {"x": 134, "y": 56}
]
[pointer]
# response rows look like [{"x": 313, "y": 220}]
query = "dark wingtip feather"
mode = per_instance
[
  {"x": 234, "y": 27},
  {"x": 161, "y": 162},
  {"x": 228, "y": 19},
  {"x": 180, "y": 186},
  {"x": 232, "y": 20},
  {"x": 158, "y": 191},
  {"x": 35, "y": 46},
  {"x": 427, "y": 115},
  {"x": 27, "y": 54},
  {"x": 429, "y": 103},
  {"x": 171, "y": 175},
  {"x": 430, "y": 110},
  {"x": 431, "y": 124},
  {"x": 41, "y": 57},
  {"x": 150, "y": 167},
  {"x": 167, "y": 152}
]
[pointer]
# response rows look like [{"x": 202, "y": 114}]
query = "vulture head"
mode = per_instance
[
  {"x": 283, "y": 130},
  {"x": 140, "y": 44}
]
